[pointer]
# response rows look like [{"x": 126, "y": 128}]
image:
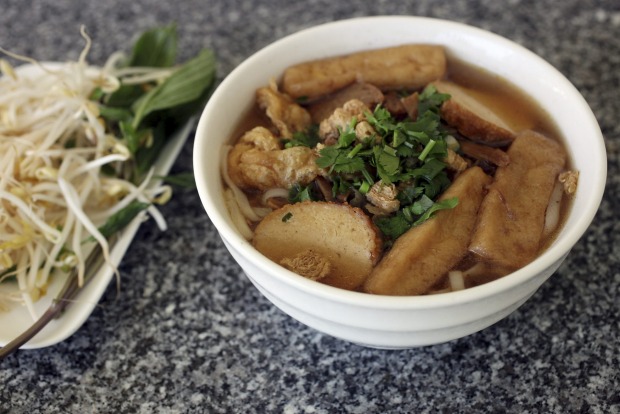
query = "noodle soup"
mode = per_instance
[{"x": 440, "y": 180}]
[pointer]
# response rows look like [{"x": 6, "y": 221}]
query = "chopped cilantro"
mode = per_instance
[
  {"x": 408, "y": 153},
  {"x": 299, "y": 193},
  {"x": 308, "y": 138}
]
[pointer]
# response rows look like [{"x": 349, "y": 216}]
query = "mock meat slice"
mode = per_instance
[
  {"x": 512, "y": 215},
  {"x": 420, "y": 257},
  {"x": 472, "y": 118},
  {"x": 369, "y": 94},
  {"x": 405, "y": 67},
  {"x": 336, "y": 244}
]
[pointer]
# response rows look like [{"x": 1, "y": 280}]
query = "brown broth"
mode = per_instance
[
  {"x": 517, "y": 109},
  {"x": 521, "y": 112}
]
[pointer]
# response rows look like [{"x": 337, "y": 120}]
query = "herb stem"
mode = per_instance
[
  {"x": 427, "y": 149},
  {"x": 355, "y": 150},
  {"x": 365, "y": 187},
  {"x": 367, "y": 176}
]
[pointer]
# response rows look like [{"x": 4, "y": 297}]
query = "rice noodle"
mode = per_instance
[
  {"x": 552, "y": 216},
  {"x": 457, "y": 282},
  {"x": 240, "y": 198},
  {"x": 274, "y": 193},
  {"x": 236, "y": 215}
]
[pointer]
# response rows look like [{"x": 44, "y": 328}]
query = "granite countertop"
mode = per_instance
[{"x": 189, "y": 333}]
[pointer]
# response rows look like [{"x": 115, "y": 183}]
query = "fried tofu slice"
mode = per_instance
[
  {"x": 472, "y": 118},
  {"x": 257, "y": 162},
  {"x": 424, "y": 254},
  {"x": 512, "y": 215},
  {"x": 401, "y": 67},
  {"x": 336, "y": 244}
]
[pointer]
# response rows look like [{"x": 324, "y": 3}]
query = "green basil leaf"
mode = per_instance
[
  {"x": 129, "y": 133},
  {"x": 120, "y": 219},
  {"x": 115, "y": 114},
  {"x": 155, "y": 48},
  {"x": 185, "y": 85},
  {"x": 183, "y": 180}
]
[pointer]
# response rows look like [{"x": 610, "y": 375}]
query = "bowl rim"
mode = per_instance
[{"x": 553, "y": 254}]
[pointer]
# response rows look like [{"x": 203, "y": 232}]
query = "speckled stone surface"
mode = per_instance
[{"x": 189, "y": 333}]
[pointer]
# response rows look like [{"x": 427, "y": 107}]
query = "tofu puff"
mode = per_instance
[{"x": 501, "y": 170}]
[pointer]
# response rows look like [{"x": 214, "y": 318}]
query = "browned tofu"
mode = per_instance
[
  {"x": 423, "y": 255},
  {"x": 472, "y": 118},
  {"x": 512, "y": 215},
  {"x": 336, "y": 244},
  {"x": 401, "y": 67}
]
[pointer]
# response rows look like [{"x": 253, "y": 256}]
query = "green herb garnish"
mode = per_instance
[
  {"x": 299, "y": 193},
  {"x": 308, "y": 138},
  {"x": 406, "y": 153},
  {"x": 146, "y": 114},
  {"x": 121, "y": 219}
]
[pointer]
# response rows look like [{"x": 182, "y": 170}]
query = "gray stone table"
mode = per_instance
[{"x": 189, "y": 333}]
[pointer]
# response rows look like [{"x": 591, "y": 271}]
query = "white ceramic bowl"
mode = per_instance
[{"x": 400, "y": 322}]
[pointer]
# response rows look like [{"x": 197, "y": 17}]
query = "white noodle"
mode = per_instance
[
  {"x": 274, "y": 193},
  {"x": 236, "y": 215},
  {"x": 240, "y": 197},
  {"x": 552, "y": 216},
  {"x": 457, "y": 282}
]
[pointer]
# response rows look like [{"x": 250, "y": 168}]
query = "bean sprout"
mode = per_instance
[{"x": 53, "y": 146}]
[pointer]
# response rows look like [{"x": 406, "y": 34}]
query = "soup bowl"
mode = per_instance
[{"x": 387, "y": 321}]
